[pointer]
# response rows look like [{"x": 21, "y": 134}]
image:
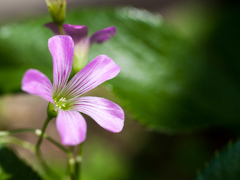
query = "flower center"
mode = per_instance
[{"x": 61, "y": 103}]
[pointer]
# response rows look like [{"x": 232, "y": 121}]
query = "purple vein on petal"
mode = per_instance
[
  {"x": 106, "y": 113},
  {"x": 62, "y": 49},
  {"x": 71, "y": 126},
  {"x": 101, "y": 69}
]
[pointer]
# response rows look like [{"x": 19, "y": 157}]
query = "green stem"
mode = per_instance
[
  {"x": 37, "y": 132},
  {"x": 37, "y": 149},
  {"x": 75, "y": 163},
  {"x": 41, "y": 135},
  {"x": 57, "y": 144},
  {"x": 12, "y": 132},
  {"x": 71, "y": 162},
  {"x": 18, "y": 142},
  {"x": 79, "y": 162},
  {"x": 60, "y": 28}
]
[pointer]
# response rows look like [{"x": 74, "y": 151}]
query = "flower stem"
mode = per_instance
[
  {"x": 57, "y": 144},
  {"x": 71, "y": 163},
  {"x": 78, "y": 162},
  {"x": 18, "y": 142},
  {"x": 61, "y": 31},
  {"x": 37, "y": 148},
  {"x": 75, "y": 163},
  {"x": 12, "y": 132},
  {"x": 37, "y": 132},
  {"x": 41, "y": 135}
]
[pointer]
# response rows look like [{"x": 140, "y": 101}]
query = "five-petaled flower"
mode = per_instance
[
  {"x": 65, "y": 97},
  {"x": 81, "y": 40}
]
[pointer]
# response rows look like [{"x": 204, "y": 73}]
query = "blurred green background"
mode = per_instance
[{"x": 179, "y": 84}]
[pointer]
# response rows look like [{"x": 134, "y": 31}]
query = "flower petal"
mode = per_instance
[
  {"x": 101, "y": 69},
  {"x": 62, "y": 49},
  {"x": 36, "y": 83},
  {"x": 71, "y": 126},
  {"x": 107, "y": 114},
  {"x": 77, "y": 32},
  {"x": 53, "y": 27},
  {"x": 103, "y": 35}
]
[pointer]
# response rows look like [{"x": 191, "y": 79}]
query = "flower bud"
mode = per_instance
[{"x": 57, "y": 10}]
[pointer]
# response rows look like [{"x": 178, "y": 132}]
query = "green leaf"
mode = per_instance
[
  {"x": 224, "y": 166},
  {"x": 165, "y": 81},
  {"x": 15, "y": 167},
  {"x": 4, "y": 175}
]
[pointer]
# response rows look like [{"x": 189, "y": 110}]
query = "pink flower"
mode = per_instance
[
  {"x": 65, "y": 98},
  {"x": 81, "y": 40}
]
